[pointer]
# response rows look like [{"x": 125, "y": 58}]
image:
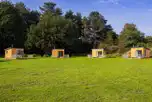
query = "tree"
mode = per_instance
[
  {"x": 69, "y": 15},
  {"x": 148, "y": 40},
  {"x": 48, "y": 33},
  {"x": 76, "y": 20},
  {"x": 51, "y": 7},
  {"x": 110, "y": 42},
  {"x": 130, "y": 37},
  {"x": 22, "y": 8},
  {"x": 30, "y": 17},
  {"x": 24, "y": 12},
  {"x": 58, "y": 11},
  {"x": 74, "y": 32},
  {"x": 33, "y": 17},
  {"x": 11, "y": 26},
  {"x": 50, "y": 29},
  {"x": 94, "y": 27}
]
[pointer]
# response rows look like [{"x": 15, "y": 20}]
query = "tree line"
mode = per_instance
[{"x": 40, "y": 31}]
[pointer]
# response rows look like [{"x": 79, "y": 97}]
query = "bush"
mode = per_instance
[
  {"x": 34, "y": 55},
  {"x": 47, "y": 55},
  {"x": 25, "y": 55}
]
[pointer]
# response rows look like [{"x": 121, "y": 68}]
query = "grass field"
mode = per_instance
[{"x": 76, "y": 80}]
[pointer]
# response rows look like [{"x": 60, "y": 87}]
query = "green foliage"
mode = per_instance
[
  {"x": 72, "y": 38},
  {"x": 110, "y": 43},
  {"x": 34, "y": 55},
  {"x": 51, "y": 7},
  {"x": 93, "y": 29},
  {"x": 22, "y": 8},
  {"x": 25, "y": 56},
  {"x": 48, "y": 6},
  {"x": 48, "y": 32},
  {"x": 12, "y": 26},
  {"x": 97, "y": 32},
  {"x": 148, "y": 41},
  {"x": 39, "y": 32},
  {"x": 30, "y": 17},
  {"x": 47, "y": 55},
  {"x": 130, "y": 37}
]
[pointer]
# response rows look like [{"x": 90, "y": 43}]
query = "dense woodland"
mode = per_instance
[{"x": 40, "y": 31}]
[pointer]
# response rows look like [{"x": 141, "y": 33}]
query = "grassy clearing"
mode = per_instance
[{"x": 76, "y": 80}]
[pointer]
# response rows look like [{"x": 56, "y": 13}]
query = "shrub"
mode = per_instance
[
  {"x": 46, "y": 55},
  {"x": 25, "y": 55},
  {"x": 34, "y": 55}
]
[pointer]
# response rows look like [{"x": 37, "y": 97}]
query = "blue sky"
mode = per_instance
[{"x": 117, "y": 12}]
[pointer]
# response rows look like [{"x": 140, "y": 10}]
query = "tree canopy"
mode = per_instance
[
  {"x": 130, "y": 37},
  {"x": 40, "y": 31}
]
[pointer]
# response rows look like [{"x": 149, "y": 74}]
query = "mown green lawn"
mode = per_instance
[{"x": 76, "y": 80}]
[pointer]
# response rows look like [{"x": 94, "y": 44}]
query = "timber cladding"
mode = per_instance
[
  {"x": 58, "y": 53},
  {"x": 97, "y": 52},
  {"x": 140, "y": 52},
  {"x": 13, "y": 53}
]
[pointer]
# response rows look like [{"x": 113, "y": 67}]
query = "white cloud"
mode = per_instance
[
  {"x": 115, "y": 2},
  {"x": 150, "y": 10},
  {"x": 109, "y": 1}
]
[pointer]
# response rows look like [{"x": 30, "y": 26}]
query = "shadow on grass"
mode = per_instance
[
  {"x": 5, "y": 61},
  {"x": 26, "y": 58}
]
